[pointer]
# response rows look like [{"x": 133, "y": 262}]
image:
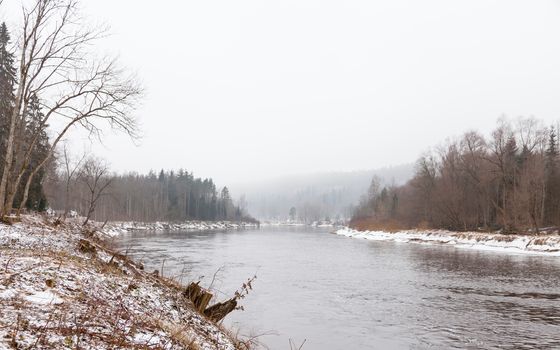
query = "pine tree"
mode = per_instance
[
  {"x": 552, "y": 150},
  {"x": 33, "y": 128},
  {"x": 7, "y": 83},
  {"x": 510, "y": 170},
  {"x": 227, "y": 203},
  {"x": 214, "y": 207},
  {"x": 552, "y": 183},
  {"x": 293, "y": 214}
]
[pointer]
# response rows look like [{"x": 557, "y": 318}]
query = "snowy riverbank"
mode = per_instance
[
  {"x": 318, "y": 224},
  {"x": 117, "y": 228},
  {"x": 547, "y": 244},
  {"x": 61, "y": 287}
]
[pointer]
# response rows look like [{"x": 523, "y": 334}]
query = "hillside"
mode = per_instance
[{"x": 315, "y": 196}]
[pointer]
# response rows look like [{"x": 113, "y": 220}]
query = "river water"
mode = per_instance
[{"x": 338, "y": 293}]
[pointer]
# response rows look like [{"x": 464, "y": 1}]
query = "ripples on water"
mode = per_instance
[{"x": 340, "y": 293}]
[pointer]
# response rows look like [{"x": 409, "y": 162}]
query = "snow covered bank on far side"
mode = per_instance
[
  {"x": 117, "y": 228},
  {"x": 546, "y": 244}
]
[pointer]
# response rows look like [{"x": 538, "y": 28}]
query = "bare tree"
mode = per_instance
[
  {"x": 96, "y": 177},
  {"x": 75, "y": 89},
  {"x": 507, "y": 181},
  {"x": 71, "y": 170}
]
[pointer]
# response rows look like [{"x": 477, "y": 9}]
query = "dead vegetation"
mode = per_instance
[
  {"x": 201, "y": 298},
  {"x": 60, "y": 288},
  {"x": 371, "y": 224}
]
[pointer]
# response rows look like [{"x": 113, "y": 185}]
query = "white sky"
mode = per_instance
[{"x": 241, "y": 90}]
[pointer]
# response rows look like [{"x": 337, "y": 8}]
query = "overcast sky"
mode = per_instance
[{"x": 241, "y": 90}]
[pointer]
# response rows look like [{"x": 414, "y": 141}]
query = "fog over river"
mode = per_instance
[{"x": 340, "y": 293}]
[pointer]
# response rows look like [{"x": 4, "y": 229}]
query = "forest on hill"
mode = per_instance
[
  {"x": 317, "y": 196},
  {"x": 508, "y": 181}
]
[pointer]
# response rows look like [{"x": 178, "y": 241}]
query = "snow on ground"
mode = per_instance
[
  {"x": 281, "y": 223},
  {"x": 117, "y": 228},
  {"x": 544, "y": 244},
  {"x": 62, "y": 288},
  {"x": 44, "y": 298},
  {"x": 320, "y": 224}
]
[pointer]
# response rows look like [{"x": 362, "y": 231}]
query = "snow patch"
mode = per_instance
[
  {"x": 117, "y": 228},
  {"x": 547, "y": 245},
  {"x": 8, "y": 294},
  {"x": 44, "y": 298}
]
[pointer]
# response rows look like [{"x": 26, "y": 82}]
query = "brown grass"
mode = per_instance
[
  {"x": 372, "y": 224},
  {"x": 89, "y": 245},
  {"x": 540, "y": 241}
]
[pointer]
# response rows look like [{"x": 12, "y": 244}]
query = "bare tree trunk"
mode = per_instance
[
  {"x": 9, "y": 157},
  {"x": 543, "y": 203},
  {"x": 94, "y": 174}
]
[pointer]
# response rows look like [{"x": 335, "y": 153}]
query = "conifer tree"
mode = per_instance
[
  {"x": 552, "y": 183},
  {"x": 33, "y": 119},
  {"x": 7, "y": 83}
]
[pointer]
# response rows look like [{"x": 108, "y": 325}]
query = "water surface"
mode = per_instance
[{"x": 341, "y": 293}]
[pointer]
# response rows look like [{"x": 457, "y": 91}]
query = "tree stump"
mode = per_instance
[
  {"x": 219, "y": 311},
  {"x": 86, "y": 247},
  {"x": 198, "y": 296}
]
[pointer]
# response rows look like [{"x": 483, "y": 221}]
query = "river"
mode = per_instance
[{"x": 338, "y": 293}]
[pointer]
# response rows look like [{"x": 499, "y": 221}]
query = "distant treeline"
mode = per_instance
[
  {"x": 508, "y": 181},
  {"x": 318, "y": 196},
  {"x": 163, "y": 196}
]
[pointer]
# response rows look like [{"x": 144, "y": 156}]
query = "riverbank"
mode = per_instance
[
  {"x": 318, "y": 224},
  {"x": 117, "y": 228},
  {"x": 543, "y": 244},
  {"x": 61, "y": 286}
]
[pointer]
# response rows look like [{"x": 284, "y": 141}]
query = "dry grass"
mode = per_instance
[
  {"x": 108, "y": 300},
  {"x": 372, "y": 224}
]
